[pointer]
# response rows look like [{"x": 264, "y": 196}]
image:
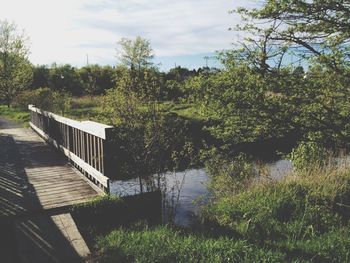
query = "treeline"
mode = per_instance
[{"x": 96, "y": 79}]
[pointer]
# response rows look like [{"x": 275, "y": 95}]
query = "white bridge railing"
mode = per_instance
[{"x": 85, "y": 143}]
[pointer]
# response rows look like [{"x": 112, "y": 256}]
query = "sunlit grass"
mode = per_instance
[
  {"x": 164, "y": 244},
  {"x": 16, "y": 115},
  {"x": 306, "y": 214}
]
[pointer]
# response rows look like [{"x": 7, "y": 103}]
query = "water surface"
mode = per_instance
[{"x": 184, "y": 192}]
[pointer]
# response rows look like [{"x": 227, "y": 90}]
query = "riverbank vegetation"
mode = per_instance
[
  {"x": 260, "y": 104},
  {"x": 19, "y": 116},
  {"x": 303, "y": 217}
]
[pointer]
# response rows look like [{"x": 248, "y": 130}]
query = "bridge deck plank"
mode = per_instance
[{"x": 35, "y": 178}]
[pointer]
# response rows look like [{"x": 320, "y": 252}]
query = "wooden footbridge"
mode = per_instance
[{"x": 38, "y": 185}]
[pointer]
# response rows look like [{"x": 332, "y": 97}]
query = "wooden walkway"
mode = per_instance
[{"x": 37, "y": 185}]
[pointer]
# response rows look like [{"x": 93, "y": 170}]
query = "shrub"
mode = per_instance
[
  {"x": 307, "y": 153},
  {"x": 43, "y": 98}
]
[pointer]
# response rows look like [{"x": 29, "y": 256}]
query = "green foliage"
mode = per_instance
[
  {"x": 86, "y": 107},
  {"x": 228, "y": 175},
  {"x": 96, "y": 79},
  {"x": 41, "y": 76},
  {"x": 306, "y": 216},
  {"x": 65, "y": 79},
  {"x": 164, "y": 244},
  {"x": 245, "y": 106},
  {"x": 89, "y": 80},
  {"x": 173, "y": 90},
  {"x": 174, "y": 86},
  {"x": 145, "y": 149},
  {"x": 256, "y": 97},
  {"x": 144, "y": 136},
  {"x": 19, "y": 116},
  {"x": 136, "y": 53},
  {"x": 15, "y": 69},
  {"x": 307, "y": 153},
  {"x": 43, "y": 98}
]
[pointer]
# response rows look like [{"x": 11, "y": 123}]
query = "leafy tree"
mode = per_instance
[
  {"x": 243, "y": 105},
  {"x": 96, "y": 79},
  {"x": 257, "y": 97},
  {"x": 15, "y": 69},
  {"x": 136, "y": 53},
  {"x": 41, "y": 75},
  {"x": 65, "y": 79},
  {"x": 180, "y": 74},
  {"x": 317, "y": 28},
  {"x": 139, "y": 124}
]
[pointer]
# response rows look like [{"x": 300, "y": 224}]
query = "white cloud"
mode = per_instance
[{"x": 65, "y": 31}]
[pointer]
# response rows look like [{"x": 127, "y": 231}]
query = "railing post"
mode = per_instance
[{"x": 107, "y": 155}]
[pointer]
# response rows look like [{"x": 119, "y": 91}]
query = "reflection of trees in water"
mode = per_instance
[
  {"x": 170, "y": 185},
  {"x": 171, "y": 195}
]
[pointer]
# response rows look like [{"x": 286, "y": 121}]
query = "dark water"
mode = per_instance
[{"x": 184, "y": 192}]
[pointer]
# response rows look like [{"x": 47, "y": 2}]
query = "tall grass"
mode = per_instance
[
  {"x": 87, "y": 107},
  {"x": 19, "y": 116},
  {"x": 164, "y": 244},
  {"x": 306, "y": 215}
]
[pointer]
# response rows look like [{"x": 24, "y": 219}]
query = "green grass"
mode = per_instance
[
  {"x": 91, "y": 107},
  {"x": 184, "y": 110},
  {"x": 164, "y": 244},
  {"x": 98, "y": 215},
  {"x": 103, "y": 214},
  {"x": 303, "y": 218},
  {"x": 90, "y": 113},
  {"x": 85, "y": 102},
  {"x": 306, "y": 216},
  {"x": 84, "y": 108},
  {"x": 16, "y": 115}
]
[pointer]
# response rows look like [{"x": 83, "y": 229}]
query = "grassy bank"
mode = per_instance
[
  {"x": 164, "y": 244},
  {"x": 306, "y": 216},
  {"x": 102, "y": 215},
  {"x": 302, "y": 218},
  {"x": 19, "y": 116},
  {"x": 83, "y": 108},
  {"x": 92, "y": 107}
]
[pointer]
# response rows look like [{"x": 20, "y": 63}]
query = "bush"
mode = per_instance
[
  {"x": 307, "y": 153},
  {"x": 43, "y": 98}
]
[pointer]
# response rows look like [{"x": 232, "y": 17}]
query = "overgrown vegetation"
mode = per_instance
[
  {"x": 43, "y": 98},
  {"x": 163, "y": 244},
  {"x": 16, "y": 115},
  {"x": 306, "y": 215},
  {"x": 258, "y": 98},
  {"x": 303, "y": 218}
]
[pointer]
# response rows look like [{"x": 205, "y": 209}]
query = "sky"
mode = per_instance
[{"x": 181, "y": 32}]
